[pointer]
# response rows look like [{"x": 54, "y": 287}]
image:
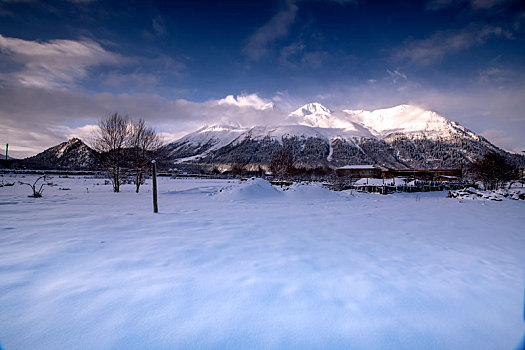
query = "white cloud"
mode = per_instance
[
  {"x": 61, "y": 64},
  {"x": 84, "y": 132},
  {"x": 168, "y": 137},
  {"x": 251, "y": 101},
  {"x": 498, "y": 75},
  {"x": 395, "y": 75},
  {"x": 52, "y": 64}
]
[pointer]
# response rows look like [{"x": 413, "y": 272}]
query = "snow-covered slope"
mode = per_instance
[
  {"x": 278, "y": 133},
  {"x": 204, "y": 141},
  {"x": 216, "y": 135},
  {"x": 406, "y": 119}
]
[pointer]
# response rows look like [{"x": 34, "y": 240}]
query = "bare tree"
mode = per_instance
[
  {"x": 109, "y": 140},
  {"x": 238, "y": 166},
  {"x": 281, "y": 163},
  {"x": 493, "y": 171},
  {"x": 143, "y": 142}
]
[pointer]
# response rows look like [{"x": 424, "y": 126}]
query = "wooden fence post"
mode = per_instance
[{"x": 154, "y": 177}]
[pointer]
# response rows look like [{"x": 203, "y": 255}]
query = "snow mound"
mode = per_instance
[
  {"x": 253, "y": 189},
  {"x": 311, "y": 191}
]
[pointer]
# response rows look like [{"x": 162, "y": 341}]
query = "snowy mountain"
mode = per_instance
[
  {"x": 381, "y": 123},
  {"x": 313, "y": 114},
  {"x": 72, "y": 155},
  {"x": 408, "y": 120},
  {"x": 400, "y": 137},
  {"x": 403, "y": 136}
]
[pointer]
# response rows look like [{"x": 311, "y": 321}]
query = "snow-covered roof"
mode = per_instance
[
  {"x": 448, "y": 176},
  {"x": 370, "y": 182},
  {"x": 363, "y": 166}
]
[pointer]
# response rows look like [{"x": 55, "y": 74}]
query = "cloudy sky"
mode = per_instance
[{"x": 183, "y": 64}]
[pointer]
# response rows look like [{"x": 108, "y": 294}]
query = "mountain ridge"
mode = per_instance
[{"x": 402, "y": 136}]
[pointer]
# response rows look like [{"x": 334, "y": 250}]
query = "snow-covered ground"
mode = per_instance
[{"x": 247, "y": 266}]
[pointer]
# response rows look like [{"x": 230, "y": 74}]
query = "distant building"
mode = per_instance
[
  {"x": 374, "y": 171},
  {"x": 446, "y": 178},
  {"x": 424, "y": 173},
  {"x": 359, "y": 171}
]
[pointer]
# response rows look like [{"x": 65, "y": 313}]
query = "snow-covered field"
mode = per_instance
[{"x": 246, "y": 266}]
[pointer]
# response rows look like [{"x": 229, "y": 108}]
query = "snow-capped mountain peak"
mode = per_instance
[
  {"x": 68, "y": 145},
  {"x": 316, "y": 115},
  {"x": 313, "y": 108},
  {"x": 221, "y": 128},
  {"x": 313, "y": 114}
]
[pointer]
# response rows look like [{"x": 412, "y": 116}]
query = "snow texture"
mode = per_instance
[
  {"x": 496, "y": 195},
  {"x": 245, "y": 265}
]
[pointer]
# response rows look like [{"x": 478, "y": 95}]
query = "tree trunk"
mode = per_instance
[
  {"x": 116, "y": 180},
  {"x": 154, "y": 183},
  {"x": 138, "y": 180}
]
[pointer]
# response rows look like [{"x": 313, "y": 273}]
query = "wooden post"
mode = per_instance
[
  {"x": 6, "y": 150},
  {"x": 154, "y": 177}
]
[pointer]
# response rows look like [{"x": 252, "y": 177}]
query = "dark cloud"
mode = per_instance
[
  {"x": 435, "y": 48},
  {"x": 435, "y": 5},
  {"x": 261, "y": 43},
  {"x": 276, "y": 28}
]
